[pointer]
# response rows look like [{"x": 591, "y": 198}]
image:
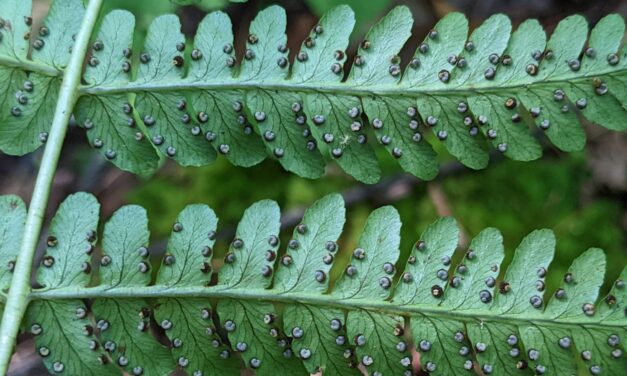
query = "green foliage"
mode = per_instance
[
  {"x": 307, "y": 306},
  {"x": 206, "y": 3},
  {"x": 280, "y": 310},
  {"x": 492, "y": 88},
  {"x": 27, "y": 104},
  {"x": 11, "y": 231},
  {"x": 366, "y": 13}
]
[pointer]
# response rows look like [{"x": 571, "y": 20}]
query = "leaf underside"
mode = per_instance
[
  {"x": 280, "y": 310},
  {"x": 12, "y": 221},
  {"x": 193, "y": 100}
]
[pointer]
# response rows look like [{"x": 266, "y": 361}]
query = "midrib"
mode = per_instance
[
  {"x": 326, "y": 300},
  {"x": 389, "y": 90}
]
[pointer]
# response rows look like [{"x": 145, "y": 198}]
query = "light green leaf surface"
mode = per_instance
[
  {"x": 196, "y": 343},
  {"x": 164, "y": 114},
  {"x": 124, "y": 243},
  {"x": 127, "y": 338},
  {"x": 227, "y": 126},
  {"x": 64, "y": 339},
  {"x": 12, "y": 220},
  {"x": 15, "y": 14},
  {"x": 482, "y": 259},
  {"x": 188, "y": 257},
  {"x": 254, "y": 248},
  {"x": 428, "y": 263},
  {"x": 70, "y": 243},
  {"x": 371, "y": 269},
  {"x": 54, "y": 43},
  {"x": 109, "y": 120},
  {"x": 524, "y": 278},
  {"x": 321, "y": 226}
]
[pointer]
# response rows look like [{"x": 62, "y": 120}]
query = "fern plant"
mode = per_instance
[
  {"x": 191, "y": 101},
  {"x": 286, "y": 310}
]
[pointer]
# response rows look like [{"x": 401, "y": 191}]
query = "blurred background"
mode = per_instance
[{"x": 581, "y": 196}]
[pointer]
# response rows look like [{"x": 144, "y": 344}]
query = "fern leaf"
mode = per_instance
[
  {"x": 124, "y": 244},
  {"x": 120, "y": 141},
  {"x": 484, "y": 270},
  {"x": 388, "y": 115},
  {"x": 189, "y": 325},
  {"x": 54, "y": 45},
  {"x": 70, "y": 242},
  {"x": 323, "y": 342},
  {"x": 611, "y": 312},
  {"x": 527, "y": 270},
  {"x": 179, "y": 267},
  {"x": 491, "y": 89},
  {"x": 251, "y": 250},
  {"x": 159, "y": 111},
  {"x": 229, "y": 132},
  {"x": 252, "y": 326},
  {"x": 328, "y": 115},
  {"x": 278, "y": 314},
  {"x": 12, "y": 220},
  {"x": 275, "y": 114},
  {"x": 421, "y": 272},
  {"x": 369, "y": 277},
  {"x": 132, "y": 353},
  {"x": 314, "y": 239},
  {"x": 30, "y": 97},
  {"x": 14, "y": 14},
  {"x": 335, "y": 110},
  {"x": 196, "y": 344},
  {"x": 64, "y": 338}
]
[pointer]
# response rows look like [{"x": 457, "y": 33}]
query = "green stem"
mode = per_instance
[
  {"x": 17, "y": 299},
  {"x": 30, "y": 66},
  {"x": 335, "y": 88},
  {"x": 319, "y": 300}
]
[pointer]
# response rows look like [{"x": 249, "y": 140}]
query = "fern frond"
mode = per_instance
[
  {"x": 193, "y": 100},
  {"x": 286, "y": 310}
]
